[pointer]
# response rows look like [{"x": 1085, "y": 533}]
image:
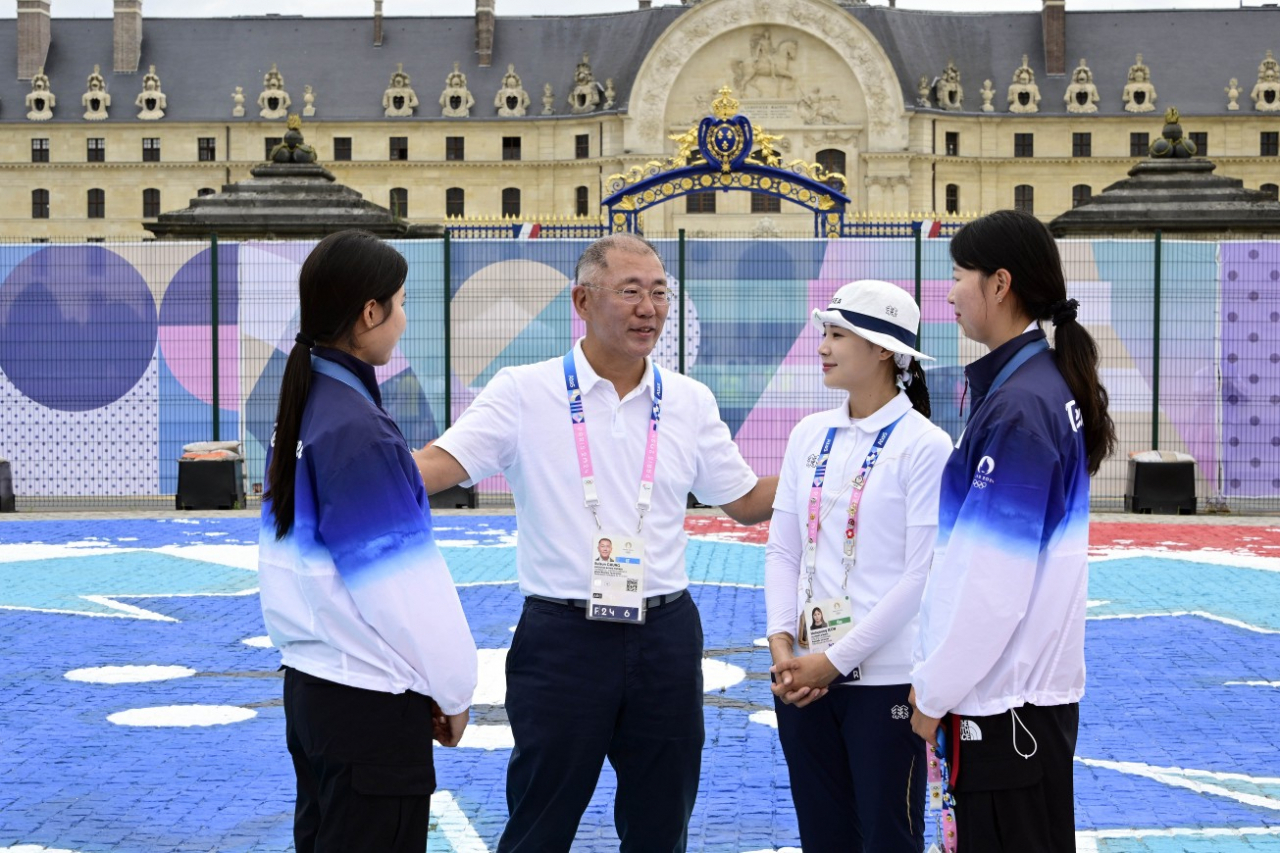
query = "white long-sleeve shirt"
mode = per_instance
[{"x": 897, "y": 525}]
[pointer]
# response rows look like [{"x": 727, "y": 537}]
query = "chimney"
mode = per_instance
[
  {"x": 33, "y": 37},
  {"x": 1054, "y": 19},
  {"x": 127, "y": 36},
  {"x": 646, "y": 4},
  {"x": 484, "y": 32},
  {"x": 377, "y": 23}
]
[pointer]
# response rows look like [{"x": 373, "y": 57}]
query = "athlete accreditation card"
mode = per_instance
[{"x": 617, "y": 579}]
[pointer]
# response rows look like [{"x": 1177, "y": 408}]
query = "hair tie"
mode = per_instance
[
  {"x": 304, "y": 340},
  {"x": 1063, "y": 311}
]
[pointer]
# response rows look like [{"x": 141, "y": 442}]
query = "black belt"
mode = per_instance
[{"x": 649, "y": 603}]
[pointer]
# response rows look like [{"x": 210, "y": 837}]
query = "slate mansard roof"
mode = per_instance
[{"x": 1192, "y": 55}]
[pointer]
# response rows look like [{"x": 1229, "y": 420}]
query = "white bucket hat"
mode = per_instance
[{"x": 881, "y": 312}]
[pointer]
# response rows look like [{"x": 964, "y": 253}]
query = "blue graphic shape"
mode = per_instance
[
  {"x": 61, "y": 584},
  {"x": 1159, "y": 585},
  {"x": 77, "y": 327}
]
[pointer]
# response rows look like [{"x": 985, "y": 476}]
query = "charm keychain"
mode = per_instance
[{"x": 941, "y": 798}]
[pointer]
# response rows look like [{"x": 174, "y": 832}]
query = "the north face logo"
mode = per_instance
[{"x": 969, "y": 730}]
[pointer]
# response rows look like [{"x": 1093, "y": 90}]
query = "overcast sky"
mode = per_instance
[{"x": 217, "y": 8}]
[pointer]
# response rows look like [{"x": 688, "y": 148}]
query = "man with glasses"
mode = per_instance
[{"x": 606, "y": 661}]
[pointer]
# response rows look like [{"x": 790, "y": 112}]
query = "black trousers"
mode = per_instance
[
  {"x": 858, "y": 772},
  {"x": 1006, "y": 803},
  {"x": 579, "y": 692},
  {"x": 364, "y": 767}
]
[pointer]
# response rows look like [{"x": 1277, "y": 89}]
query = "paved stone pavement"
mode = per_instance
[{"x": 141, "y": 709}]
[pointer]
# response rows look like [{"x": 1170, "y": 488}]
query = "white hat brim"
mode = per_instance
[{"x": 880, "y": 339}]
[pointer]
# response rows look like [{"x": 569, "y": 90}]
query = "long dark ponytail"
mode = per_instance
[
  {"x": 343, "y": 272},
  {"x": 917, "y": 390},
  {"x": 1022, "y": 245}
]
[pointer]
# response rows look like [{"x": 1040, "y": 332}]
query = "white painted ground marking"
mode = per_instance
[
  {"x": 1212, "y": 617},
  {"x": 1176, "y": 832},
  {"x": 263, "y": 642},
  {"x": 183, "y": 716},
  {"x": 1180, "y": 777},
  {"x": 34, "y": 848},
  {"x": 1231, "y": 559},
  {"x": 1252, "y": 683},
  {"x": 765, "y": 718},
  {"x": 128, "y": 674},
  {"x": 762, "y": 642},
  {"x": 1097, "y": 602},
  {"x": 1086, "y": 844},
  {"x": 718, "y": 675},
  {"x": 487, "y": 738},
  {"x": 454, "y": 824}
]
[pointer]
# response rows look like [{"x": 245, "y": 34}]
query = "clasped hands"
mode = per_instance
[{"x": 798, "y": 681}]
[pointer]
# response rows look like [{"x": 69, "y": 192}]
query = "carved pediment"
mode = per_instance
[
  {"x": 456, "y": 100},
  {"x": 1139, "y": 93},
  {"x": 1266, "y": 92},
  {"x": 40, "y": 100},
  {"x": 949, "y": 92},
  {"x": 1024, "y": 94},
  {"x": 1082, "y": 95},
  {"x": 95, "y": 100},
  {"x": 274, "y": 102},
  {"x": 512, "y": 99},
  {"x": 399, "y": 99},
  {"x": 151, "y": 102}
]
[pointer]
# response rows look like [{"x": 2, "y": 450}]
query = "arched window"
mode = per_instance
[
  {"x": 204, "y": 191},
  {"x": 97, "y": 204},
  {"x": 1273, "y": 189},
  {"x": 39, "y": 204},
  {"x": 399, "y": 202},
  {"x": 455, "y": 202},
  {"x": 150, "y": 204},
  {"x": 511, "y": 202},
  {"x": 1024, "y": 198},
  {"x": 953, "y": 198},
  {"x": 581, "y": 201},
  {"x": 1080, "y": 193}
]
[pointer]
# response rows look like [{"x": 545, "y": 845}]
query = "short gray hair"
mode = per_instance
[{"x": 593, "y": 259}]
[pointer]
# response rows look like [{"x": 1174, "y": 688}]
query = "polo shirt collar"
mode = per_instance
[
  {"x": 588, "y": 378},
  {"x": 887, "y": 414}
]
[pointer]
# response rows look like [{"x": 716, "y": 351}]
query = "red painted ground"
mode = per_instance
[{"x": 1261, "y": 541}]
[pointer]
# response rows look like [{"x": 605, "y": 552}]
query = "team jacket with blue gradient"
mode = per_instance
[
  {"x": 1002, "y": 621},
  {"x": 357, "y": 592}
]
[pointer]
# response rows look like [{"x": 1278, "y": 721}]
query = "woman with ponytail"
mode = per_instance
[
  {"x": 1002, "y": 621},
  {"x": 853, "y": 529},
  {"x": 377, "y": 655}
]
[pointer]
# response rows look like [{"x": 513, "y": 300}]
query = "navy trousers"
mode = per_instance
[
  {"x": 858, "y": 772},
  {"x": 579, "y": 692},
  {"x": 364, "y": 766}
]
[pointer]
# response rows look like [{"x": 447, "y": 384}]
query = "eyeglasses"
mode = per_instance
[{"x": 633, "y": 295}]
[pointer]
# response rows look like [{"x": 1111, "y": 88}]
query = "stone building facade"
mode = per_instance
[{"x": 485, "y": 115}]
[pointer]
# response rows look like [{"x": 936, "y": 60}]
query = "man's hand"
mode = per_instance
[
  {"x": 447, "y": 729},
  {"x": 922, "y": 724},
  {"x": 756, "y": 505}
]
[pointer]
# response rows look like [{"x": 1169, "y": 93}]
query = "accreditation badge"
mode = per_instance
[
  {"x": 617, "y": 579},
  {"x": 825, "y": 621}
]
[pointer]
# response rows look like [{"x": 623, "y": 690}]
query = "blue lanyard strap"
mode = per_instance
[
  {"x": 342, "y": 374},
  {"x": 1019, "y": 358}
]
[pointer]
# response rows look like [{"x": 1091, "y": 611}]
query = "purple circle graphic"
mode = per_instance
[{"x": 77, "y": 327}]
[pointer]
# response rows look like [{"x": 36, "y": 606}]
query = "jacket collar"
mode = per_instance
[
  {"x": 885, "y": 415},
  {"x": 588, "y": 378},
  {"x": 362, "y": 369},
  {"x": 981, "y": 373}
]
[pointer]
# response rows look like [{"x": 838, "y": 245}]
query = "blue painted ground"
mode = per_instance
[{"x": 1173, "y": 757}]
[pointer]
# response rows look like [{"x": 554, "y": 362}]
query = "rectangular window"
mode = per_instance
[
  {"x": 1138, "y": 144},
  {"x": 582, "y": 146},
  {"x": 269, "y": 145},
  {"x": 1082, "y": 145},
  {"x": 582, "y": 201},
  {"x": 207, "y": 149},
  {"x": 455, "y": 148},
  {"x": 953, "y": 198},
  {"x": 704, "y": 202},
  {"x": 1201, "y": 139},
  {"x": 341, "y": 148},
  {"x": 399, "y": 148},
  {"x": 150, "y": 150},
  {"x": 953, "y": 144},
  {"x": 40, "y": 151},
  {"x": 1024, "y": 145},
  {"x": 97, "y": 150},
  {"x": 763, "y": 203},
  {"x": 39, "y": 204},
  {"x": 1269, "y": 144},
  {"x": 510, "y": 148}
]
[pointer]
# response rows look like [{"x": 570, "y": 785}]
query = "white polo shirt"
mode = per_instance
[
  {"x": 520, "y": 426},
  {"x": 897, "y": 528}
]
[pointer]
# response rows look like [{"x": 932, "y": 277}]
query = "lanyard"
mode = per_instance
[
  {"x": 578, "y": 417},
  {"x": 1019, "y": 358},
  {"x": 945, "y": 802},
  {"x": 340, "y": 373},
  {"x": 855, "y": 500}
]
